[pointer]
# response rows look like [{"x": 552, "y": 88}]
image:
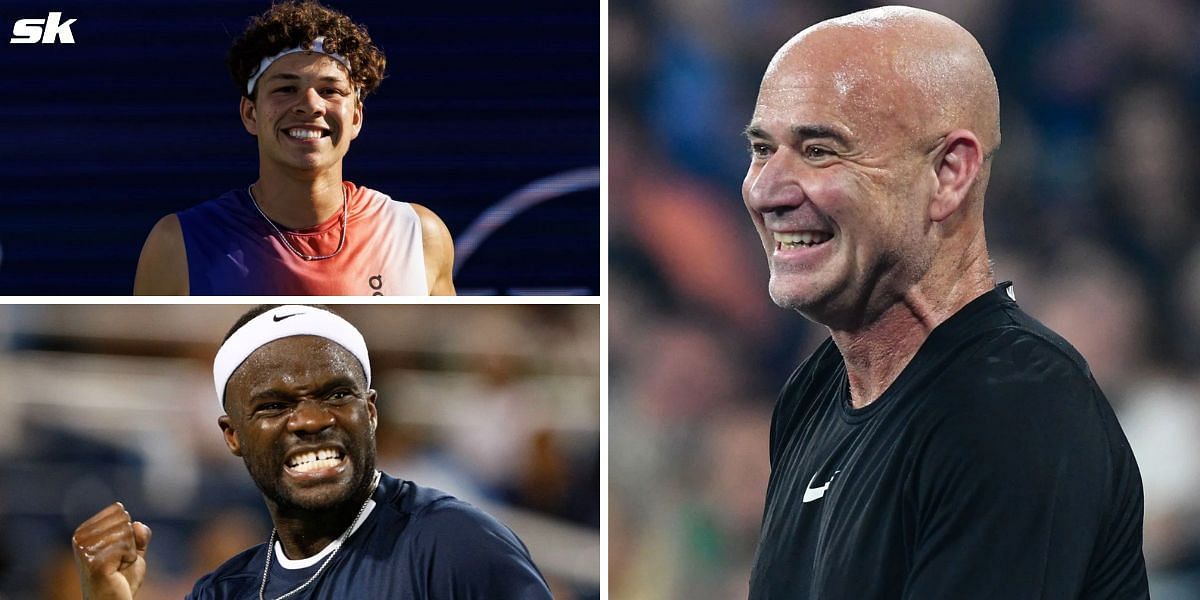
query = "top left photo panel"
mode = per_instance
[{"x": 301, "y": 148}]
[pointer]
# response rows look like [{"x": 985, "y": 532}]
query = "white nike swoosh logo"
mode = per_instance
[{"x": 811, "y": 493}]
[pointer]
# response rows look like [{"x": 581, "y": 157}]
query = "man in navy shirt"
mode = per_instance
[
  {"x": 300, "y": 412},
  {"x": 941, "y": 443}
]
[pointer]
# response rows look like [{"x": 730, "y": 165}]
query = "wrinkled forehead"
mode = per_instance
[{"x": 291, "y": 361}]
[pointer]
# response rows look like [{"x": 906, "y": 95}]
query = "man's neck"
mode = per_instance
[
  {"x": 876, "y": 353},
  {"x": 299, "y": 202},
  {"x": 303, "y": 533}
]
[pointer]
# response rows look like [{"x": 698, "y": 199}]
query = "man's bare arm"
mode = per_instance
[
  {"x": 439, "y": 252},
  {"x": 162, "y": 268},
  {"x": 110, "y": 551}
]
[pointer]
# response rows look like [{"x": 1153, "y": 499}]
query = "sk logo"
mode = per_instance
[{"x": 30, "y": 31}]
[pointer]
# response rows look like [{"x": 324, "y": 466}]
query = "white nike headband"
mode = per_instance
[
  {"x": 285, "y": 321},
  {"x": 317, "y": 45}
]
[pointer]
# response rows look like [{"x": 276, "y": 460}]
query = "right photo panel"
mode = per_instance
[{"x": 903, "y": 300}]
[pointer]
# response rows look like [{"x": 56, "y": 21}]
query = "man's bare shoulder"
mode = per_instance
[
  {"x": 162, "y": 267},
  {"x": 438, "y": 246}
]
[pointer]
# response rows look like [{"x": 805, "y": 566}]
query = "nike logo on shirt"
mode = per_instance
[{"x": 811, "y": 493}]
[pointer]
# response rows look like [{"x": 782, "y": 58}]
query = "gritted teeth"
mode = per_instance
[
  {"x": 326, "y": 457},
  {"x": 800, "y": 238}
]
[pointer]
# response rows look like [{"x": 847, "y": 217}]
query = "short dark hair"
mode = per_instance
[
  {"x": 260, "y": 309},
  {"x": 294, "y": 23}
]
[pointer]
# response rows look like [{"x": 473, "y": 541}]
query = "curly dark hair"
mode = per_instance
[{"x": 295, "y": 23}]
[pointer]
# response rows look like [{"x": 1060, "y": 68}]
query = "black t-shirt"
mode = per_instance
[
  {"x": 416, "y": 544},
  {"x": 993, "y": 467}
]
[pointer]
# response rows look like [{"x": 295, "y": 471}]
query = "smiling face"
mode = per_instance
[
  {"x": 866, "y": 142},
  {"x": 836, "y": 182},
  {"x": 305, "y": 113},
  {"x": 302, "y": 419}
]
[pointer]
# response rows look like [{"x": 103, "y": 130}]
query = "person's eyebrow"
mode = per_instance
[
  {"x": 265, "y": 396},
  {"x": 808, "y": 132},
  {"x": 338, "y": 381},
  {"x": 294, "y": 77},
  {"x": 800, "y": 132},
  {"x": 288, "y": 76},
  {"x": 754, "y": 131}
]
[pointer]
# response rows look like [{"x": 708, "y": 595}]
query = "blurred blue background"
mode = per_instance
[
  {"x": 1092, "y": 212},
  {"x": 138, "y": 119},
  {"x": 497, "y": 404}
]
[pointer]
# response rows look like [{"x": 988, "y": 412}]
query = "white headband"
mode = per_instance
[
  {"x": 318, "y": 46},
  {"x": 281, "y": 322}
]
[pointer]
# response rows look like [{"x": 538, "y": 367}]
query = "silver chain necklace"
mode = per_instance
[
  {"x": 337, "y": 545},
  {"x": 283, "y": 238}
]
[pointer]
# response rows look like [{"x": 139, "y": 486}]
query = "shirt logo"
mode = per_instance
[
  {"x": 811, "y": 493},
  {"x": 238, "y": 260}
]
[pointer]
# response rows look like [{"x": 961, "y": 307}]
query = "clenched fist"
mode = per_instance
[{"x": 110, "y": 550}]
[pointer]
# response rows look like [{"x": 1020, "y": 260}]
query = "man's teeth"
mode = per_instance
[
  {"x": 304, "y": 134},
  {"x": 803, "y": 238},
  {"x": 312, "y": 461}
]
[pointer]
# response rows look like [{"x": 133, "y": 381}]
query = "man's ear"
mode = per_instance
[
  {"x": 956, "y": 167},
  {"x": 249, "y": 116},
  {"x": 357, "y": 122},
  {"x": 231, "y": 437},
  {"x": 372, "y": 409}
]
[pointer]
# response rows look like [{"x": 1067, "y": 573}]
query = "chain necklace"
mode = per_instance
[
  {"x": 283, "y": 238},
  {"x": 337, "y": 545}
]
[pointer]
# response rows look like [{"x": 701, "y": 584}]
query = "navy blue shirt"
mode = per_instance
[{"x": 417, "y": 543}]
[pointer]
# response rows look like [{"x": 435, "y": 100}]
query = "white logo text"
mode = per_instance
[{"x": 31, "y": 31}]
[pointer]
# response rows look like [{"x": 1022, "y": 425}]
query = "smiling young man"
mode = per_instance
[
  {"x": 295, "y": 382},
  {"x": 300, "y": 229},
  {"x": 941, "y": 443}
]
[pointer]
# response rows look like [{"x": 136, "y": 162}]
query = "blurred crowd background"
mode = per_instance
[
  {"x": 498, "y": 405},
  {"x": 1092, "y": 212}
]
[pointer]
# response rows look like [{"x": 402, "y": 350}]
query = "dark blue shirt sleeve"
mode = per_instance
[{"x": 463, "y": 553}]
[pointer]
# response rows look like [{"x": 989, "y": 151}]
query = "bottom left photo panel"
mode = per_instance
[{"x": 309, "y": 451}]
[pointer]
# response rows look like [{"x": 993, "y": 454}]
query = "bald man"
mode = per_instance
[{"x": 941, "y": 443}]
